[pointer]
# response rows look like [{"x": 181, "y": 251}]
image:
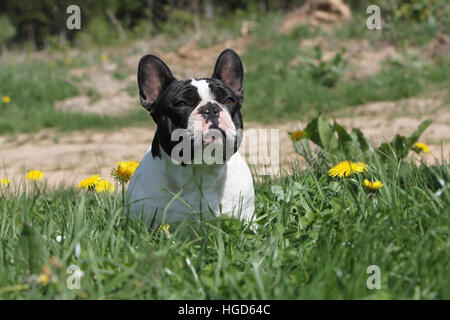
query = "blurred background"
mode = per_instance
[{"x": 69, "y": 99}]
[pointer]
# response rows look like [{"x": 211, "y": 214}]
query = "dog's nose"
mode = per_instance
[{"x": 210, "y": 109}]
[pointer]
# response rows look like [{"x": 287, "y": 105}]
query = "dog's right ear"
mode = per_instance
[{"x": 153, "y": 77}]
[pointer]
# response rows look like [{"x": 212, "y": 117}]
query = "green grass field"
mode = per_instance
[{"x": 317, "y": 235}]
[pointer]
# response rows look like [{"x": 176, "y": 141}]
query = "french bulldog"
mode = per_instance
[{"x": 192, "y": 169}]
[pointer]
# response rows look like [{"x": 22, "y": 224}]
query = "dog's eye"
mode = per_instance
[
  {"x": 181, "y": 103},
  {"x": 229, "y": 101}
]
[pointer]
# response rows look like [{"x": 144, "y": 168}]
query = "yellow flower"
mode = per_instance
[
  {"x": 124, "y": 170},
  {"x": 421, "y": 147},
  {"x": 104, "y": 57},
  {"x": 373, "y": 185},
  {"x": 346, "y": 168},
  {"x": 6, "y": 99},
  {"x": 52, "y": 63},
  {"x": 104, "y": 186},
  {"x": 45, "y": 276},
  {"x": 4, "y": 182},
  {"x": 44, "y": 279},
  {"x": 35, "y": 175},
  {"x": 68, "y": 60},
  {"x": 165, "y": 227},
  {"x": 298, "y": 135},
  {"x": 89, "y": 183}
]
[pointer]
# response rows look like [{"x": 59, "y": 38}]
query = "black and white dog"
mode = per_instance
[{"x": 193, "y": 168}]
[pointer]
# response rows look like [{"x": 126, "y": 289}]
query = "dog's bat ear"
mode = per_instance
[
  {"x": 153, "y": 77},
  {"x": 229, "y": 69}
]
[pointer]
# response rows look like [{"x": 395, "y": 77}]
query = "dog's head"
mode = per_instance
[{"x": 198, "y": 113}]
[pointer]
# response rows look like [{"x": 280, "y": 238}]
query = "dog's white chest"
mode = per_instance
[{"x": 162, "y": 191}]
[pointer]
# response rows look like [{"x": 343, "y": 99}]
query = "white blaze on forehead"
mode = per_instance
[{"x": 203, "y": 89}]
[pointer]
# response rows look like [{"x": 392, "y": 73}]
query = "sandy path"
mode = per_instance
[{"x": 67, "y": 157}]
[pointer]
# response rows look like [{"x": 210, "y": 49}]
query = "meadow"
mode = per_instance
[{"x": 317, "y": 234}]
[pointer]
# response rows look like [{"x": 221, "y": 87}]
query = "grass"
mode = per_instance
[
  {"x": 34, "y": 87},
  {"x": 317, "y": 235}
]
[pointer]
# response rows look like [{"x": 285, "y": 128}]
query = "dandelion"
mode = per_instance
[
  {"x": 34, "y": 175},
  {"x": 421, "y": 147},
  {"x": 5, "y": 182},
  {"x": 298, "y": 135},
  {"x": 68, "y": 60},
  {"x": 346, "y": 168},
  {"x": 44, "y": 279},
  {"x": 103, "y": 57},
  {"x": 165, "y": 227},
  {"x": 52, "y": 64},
  {"x": 373, "y": 185},
  {"x": 6, "y": 99},
  {"x": 104, "y": 186},
  {"x": 123, "y": 173},
  {"x": 124, "y": 170},
  {"x": 89, "y": 183},
  {"x": 45, "y": 275}
]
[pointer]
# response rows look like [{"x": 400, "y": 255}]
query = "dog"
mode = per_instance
[{"x": 171, "y": 185}]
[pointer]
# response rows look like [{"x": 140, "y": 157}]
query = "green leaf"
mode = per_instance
[
  {"x": 400, "y": 145},
  {"x": 31, "y": 250},
  {"x": 358, "y": 136},
  {"x": 326, "y": 133},
  {"x": 343, "y": 137},
  {"x": 313, "y": 131},
  {"x": 416, "y": 135}
]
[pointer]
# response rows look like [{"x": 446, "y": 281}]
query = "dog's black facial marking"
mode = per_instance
[{"x": 171, "y": 101}]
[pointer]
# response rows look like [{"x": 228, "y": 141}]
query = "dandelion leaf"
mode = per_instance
[{"x": 400, "y": 145}]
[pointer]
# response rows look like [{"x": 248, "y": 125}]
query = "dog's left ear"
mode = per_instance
[
  {"x": 229, "y": 69},
  {"x": 153, "y": 77}
]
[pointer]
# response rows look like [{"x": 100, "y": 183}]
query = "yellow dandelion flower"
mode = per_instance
[
  {"x": 34, "y": 175},
  {"x": 44, "y": 279},
  {"x": 124, "y": 170},
  {"x": 421, "y": 147},
  {"x": 165, "y": 227},
  {"x": 103, "y": 57},
  {"x": 104, "y": 186},
  {"x": 45, "y": 275},
  {"x": 373, "y": 185},
  {"x": 89, "y": 183},
  {"x": 6, "y": 99},
  {"x": 298, "y": 135},
  {"x": 346, "y": 168},
  {"x": 4, "y": 182},
  {"x": 68, "y": 60},
  {"x": 52, "y": 64}
]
